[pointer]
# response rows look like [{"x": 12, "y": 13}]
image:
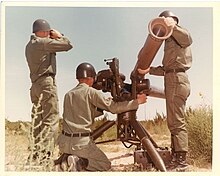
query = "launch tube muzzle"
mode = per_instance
[{"x": 158, "y": 32}]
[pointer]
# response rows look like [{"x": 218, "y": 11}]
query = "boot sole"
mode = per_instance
[{"x": 72, "y": 163}]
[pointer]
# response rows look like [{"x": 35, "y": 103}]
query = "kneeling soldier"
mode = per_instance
[{"x": 81, "y": 105}]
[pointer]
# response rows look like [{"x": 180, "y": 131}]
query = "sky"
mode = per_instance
[{"x": 98, "y": 32}]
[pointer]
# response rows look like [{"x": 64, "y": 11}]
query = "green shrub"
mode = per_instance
[{"x": 199, "y": 126}]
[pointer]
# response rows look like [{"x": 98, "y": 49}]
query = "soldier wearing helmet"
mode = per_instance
[
  {"x": 85, "y": 70},
  {"x": 82, "y": 105},
  {"x": 168, "y": 13},
  {"x": 41, "y": 25},
  {"x": 41, "y": 58},
  {"x": 176, "y": 61}
]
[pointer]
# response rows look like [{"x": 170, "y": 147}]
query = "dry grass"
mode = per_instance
[
  {"x": 199, "y": 124},
  {"x": 15, "y": 153}
]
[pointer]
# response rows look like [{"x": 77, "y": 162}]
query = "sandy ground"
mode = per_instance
[{"x": 121, "y": 158}]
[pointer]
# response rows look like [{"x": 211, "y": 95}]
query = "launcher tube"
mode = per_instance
[{"x": 158, "y": 32}]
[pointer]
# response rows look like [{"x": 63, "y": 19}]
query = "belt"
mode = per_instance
[
  {"x": 175, "y": 70},
  {"x": 76, "y": 134}
]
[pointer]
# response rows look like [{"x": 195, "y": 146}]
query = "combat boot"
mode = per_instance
[
  {"x": 182, "y": 164},
  {"x": 173, "y": 162},
  {"x": 76, "y": 163},
  {"x": 73, "y": 163},
  {"x": 178, "y": 162}
]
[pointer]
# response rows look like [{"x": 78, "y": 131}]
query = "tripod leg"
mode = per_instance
[
  {"x": 149, "y": 136},
  {"x": 100, "y": 130},
  {"x": 155, "y": 157}
]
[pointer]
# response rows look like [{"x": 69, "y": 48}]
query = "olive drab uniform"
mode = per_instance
[
  {"x": 41, "y": 59},
  {"x": 80, "y": 110},
  {"x": 176, "y": 61}
]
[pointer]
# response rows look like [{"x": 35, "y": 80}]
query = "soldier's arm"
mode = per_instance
[
  {"x": 57, "y": 45},
  {"x": 158, "y": 71},
  {"x": 182, "y": 36},
  {"x": 99, "y": 100}
]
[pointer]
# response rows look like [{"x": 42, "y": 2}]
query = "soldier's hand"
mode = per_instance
[
  {"x": 54, "y": 34},
  {"x": 170, "y": 22},
  {"x": 143, "y": 72},
  {"x": 141, "y": 98}
]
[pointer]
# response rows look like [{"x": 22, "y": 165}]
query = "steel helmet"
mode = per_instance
[
  {"x": 168, "y": 13},
  {"x": 41, "y": 25},
  {"x": 85, "y": 70}
]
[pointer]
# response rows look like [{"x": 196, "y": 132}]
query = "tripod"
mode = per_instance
[{"x": 129, "y": 130}]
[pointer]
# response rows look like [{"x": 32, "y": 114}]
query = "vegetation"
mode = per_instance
[
  {"x": 39, "y": 146},
  {"x": 199, "y": 126}
]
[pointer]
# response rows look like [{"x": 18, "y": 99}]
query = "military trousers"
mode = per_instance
[
  {"x": 177, "y": 90},
  {"x": 85, "y": 147},
  {"x": 47, "y": 114}
]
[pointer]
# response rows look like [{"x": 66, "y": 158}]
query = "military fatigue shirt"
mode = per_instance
[
  {"x": 80, "y": 107},
  {"x": 41, "y": 55},
  {"x": 177, "y": 53}
]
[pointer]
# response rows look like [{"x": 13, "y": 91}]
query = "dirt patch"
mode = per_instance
[
  {"x": 16, "y": 154},
  {"x": 122, "y": 159}
]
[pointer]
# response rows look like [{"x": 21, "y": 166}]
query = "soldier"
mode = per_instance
[
  {"x": 41, "y": 58},
  {"x": 176, "y": 61},
  {"x": 81, "y": 105}
]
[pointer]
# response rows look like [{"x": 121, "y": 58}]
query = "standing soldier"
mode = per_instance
[
  {"x": 81, "y": 105},
  {"x": 176, "y": 61},
  {"x": 41, "y": 58}
]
